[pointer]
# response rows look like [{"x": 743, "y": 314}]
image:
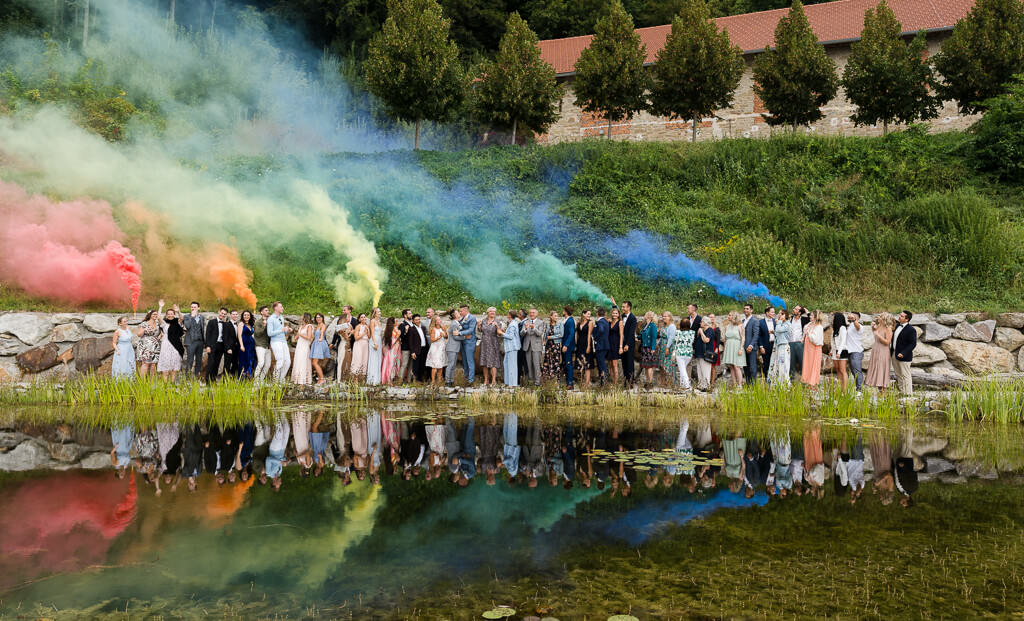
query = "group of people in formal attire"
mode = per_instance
[
  {"x": 593, "y": 348},
  {"x": 498, "y": 448}
]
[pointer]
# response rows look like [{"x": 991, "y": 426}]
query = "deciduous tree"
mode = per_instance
[
  {"x": 412, "y": 66},
  {"x": 610, "y": 75},
  {"x": 698, "y": 69},
  {"x": 983, "y": 54},
  {"x": 796, "y": 77},
  {"x": 518, "y": 87}
]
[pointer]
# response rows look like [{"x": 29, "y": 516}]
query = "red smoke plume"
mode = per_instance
[{"x": 64, "y": 250}]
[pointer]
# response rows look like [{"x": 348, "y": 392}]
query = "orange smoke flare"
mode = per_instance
[{"x": 228, "y": 274}]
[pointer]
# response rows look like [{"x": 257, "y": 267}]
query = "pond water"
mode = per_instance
[{"x": 657, "y": 514}]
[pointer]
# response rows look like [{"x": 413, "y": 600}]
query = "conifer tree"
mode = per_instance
[
  {"x": 412, "y": 66},
  {"x": 698, "y": 69},
  {"x": 610, "y": 75},
  {"x": 796, "y": 77}
]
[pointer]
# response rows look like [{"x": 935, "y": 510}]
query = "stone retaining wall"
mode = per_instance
[{"x": 43, "y": 346}]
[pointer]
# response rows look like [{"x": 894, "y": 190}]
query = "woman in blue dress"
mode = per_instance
[
  {"x": 247, "y": 353},
  {"x": 124, "y": 353},
  {"x": 320, "y": 349},
  {"x": 122, "y": 437}
]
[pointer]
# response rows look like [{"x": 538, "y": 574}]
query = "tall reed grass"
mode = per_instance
[
  {"x": 90, "y": 390},
  {"x": 1000, "y": 400}
]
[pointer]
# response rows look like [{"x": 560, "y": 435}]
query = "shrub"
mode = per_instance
[
  {"x": 762, "y": 258},
  {"x": 998, "y": 138}
]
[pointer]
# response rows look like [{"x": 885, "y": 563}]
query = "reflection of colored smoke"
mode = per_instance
[
  {"x": 64, "y": 250},
  {"x": 225, "y": 500},
  {"x": 62, "y": 523}
]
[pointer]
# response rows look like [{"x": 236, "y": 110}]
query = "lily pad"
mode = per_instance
[
  {"x": 500, "y": 612},
  {"x": 623, "y": 618}
]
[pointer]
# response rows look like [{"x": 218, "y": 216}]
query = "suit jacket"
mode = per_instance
[
  {"x": 752, "y": 333},
  {"x": 469, "y": 329},
  {"x": 211, "y": 334},
  {"x": 412, "y": 339},
  {"x": 533, "y": 338},
  {"x": 405, "y": 335},
  {"x": 629, "y": 332},
  {"x": 905, "y": 343},
  {"x": 195, "y": 329},
  {"x": 569, "y": 335},
  {"x": 454, "y": 341},
  {"x": 764, "y": 338},
  {"x": 695, "y": 323},
  {"x": 600, "y": 334}
]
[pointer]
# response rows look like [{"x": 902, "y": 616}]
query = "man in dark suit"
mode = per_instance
[
  {"x": 904, "y": 340},
  {"x": 628, "y": 344},
  {"x": 219, "y": 339},
  {"x": 751, "y": 339},
  {"x": 231, "y": 366},
  {"x": 417, "y": 348},
  {"x": 195, "y": 340},
  {"x": 404, "y": 328},
  {"x": 568, "y": 344},
  {"x": 766, "y": 341},
  {"x": 601, "y": 330}
]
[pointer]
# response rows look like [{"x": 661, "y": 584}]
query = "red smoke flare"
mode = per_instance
[{"x": 64, "y": 250}]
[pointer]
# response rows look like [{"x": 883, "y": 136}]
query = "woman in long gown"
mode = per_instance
[
  {"x": 171, "y": 347},
  {"x": 302, "y": 369},
  {"x": 585, "y": 358},
  {"x": 490, "y": 352},
  {"x": 648, "y": 343},
  {"x": 124, "y": 354},
  {"x": 320, "y": 349},
  {"x": 878, "y": 365},
  {"x": 360, "y": 347},
  {"x": 436, "y": 356},
  {"x": 614, "y": 357},
  {"x": 778, "y": 368},
  {"x": 664, "y": 349},
  {"x": 247, "y": 345},
  {"x": 373, "y": 362},
  {"x": 552, "y": 365},
  {"x": 733, "y": 355},
  {"x": 814, "y": 338},
  {"x": 340, "y": 345},
  {"x": 392, "y": 360}
]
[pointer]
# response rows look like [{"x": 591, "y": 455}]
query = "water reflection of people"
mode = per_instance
[
  {"x": 121, "y": 437},
  {"x": 276, "y": 459},
  {"x": 192, "y": 456}
]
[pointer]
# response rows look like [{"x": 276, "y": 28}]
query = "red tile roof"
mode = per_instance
[{"x": 753, "y": 32}]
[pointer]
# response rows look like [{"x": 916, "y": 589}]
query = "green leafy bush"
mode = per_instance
[
  {"x": 998, "y": 138},
  {"x": 762, "y": 258}
]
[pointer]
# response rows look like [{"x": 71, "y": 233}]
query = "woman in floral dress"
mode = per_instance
[
  {"x": 552, "y": 365},
  {"x": 149, "y": 334},
  {"x": 664, "y": 350}
]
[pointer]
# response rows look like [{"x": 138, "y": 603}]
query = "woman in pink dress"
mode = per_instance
[
  {"x": 360, "y": 347},
  {"x": 302, "y": 366},
  {"x": 392, "y": 353},
  {"x": 814, "y": 338}
]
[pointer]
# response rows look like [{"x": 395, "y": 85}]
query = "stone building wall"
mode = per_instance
[
  {"x": 742, "y": 120},
  {"x": 42, "y": 346}
]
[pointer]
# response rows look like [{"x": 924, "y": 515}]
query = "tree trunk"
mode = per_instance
[
  {"x": 213, "y": 15},
  {"x": 694, "y": 133},
  {"x": 85, "y": 26},
  {"x": 885, "y": 127},
  {"x": 514, "y": 123},
  {"x": 416, "y": 142},
  {"x": 170, "y": 15},
  {"x": 609, "y": 136}
]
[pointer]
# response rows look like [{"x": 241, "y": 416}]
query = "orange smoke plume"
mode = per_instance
[{"x": 180, "y": 270}]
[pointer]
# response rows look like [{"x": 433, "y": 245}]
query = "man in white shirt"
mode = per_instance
[
  {"x": 796, "y": 341},
  {"x": 855, "y": 345}
]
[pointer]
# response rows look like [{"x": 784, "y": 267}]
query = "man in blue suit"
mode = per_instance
[
  {"x": 751, "y": 341},
  {"x": 568, "y": 344},
  {"x": 601, "y": 329},
  {"x": 468, "y": 331}
]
